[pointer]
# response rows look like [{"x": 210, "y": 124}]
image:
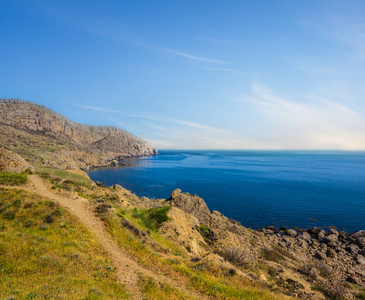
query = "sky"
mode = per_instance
[{"x": 208, "y": 74}]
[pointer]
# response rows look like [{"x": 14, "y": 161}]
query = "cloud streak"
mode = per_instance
[
  {"x": 192, "y": 57},
  {"x": 106, "y": 29},
  {"x": 101, "y": 109},
  {"x": 171, "y": 133},
  {"x": 316, "y": 124}
]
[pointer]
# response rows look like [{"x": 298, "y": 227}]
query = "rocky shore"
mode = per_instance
[{"x": 343, "y": 253}]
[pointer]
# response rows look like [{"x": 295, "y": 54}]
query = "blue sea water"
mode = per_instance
[{"x": 257, "y": 188}]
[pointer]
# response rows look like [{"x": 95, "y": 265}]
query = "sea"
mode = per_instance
[{"x": 257, "y": 188}]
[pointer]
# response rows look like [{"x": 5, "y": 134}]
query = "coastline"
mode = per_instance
[{"x": 256, "y": 189}]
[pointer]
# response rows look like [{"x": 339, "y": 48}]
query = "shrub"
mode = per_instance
[
  {"x": 9, "y": 215},
  {"x": 208, "y": 234},
  {"x": 272, "y": 255},
  {"x": 102, "y": 208},
  {"x": 235, "y": 256},
  {"x": 333, "y": 290},
  {"x": 17, "y": 203},
  {"x": 49, "y": 218},
  {"x": 152, "y": 218},
  {"x": 125, "y": 223}
]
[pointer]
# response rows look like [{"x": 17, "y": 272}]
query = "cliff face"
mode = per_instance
[{"x": 85, "y": 145}]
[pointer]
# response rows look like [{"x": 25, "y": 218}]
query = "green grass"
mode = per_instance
[
  {"x": 152, "y": 290},
  {"x": 45, "y": 253},
  {"x": 7, "y": 178},
  {"x": 67, "y": 178},
  {"x": 168, "y": 258},
  {"x": 152, "y": 218}
]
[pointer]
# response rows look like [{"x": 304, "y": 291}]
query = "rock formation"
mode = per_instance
[
  {"x": 25, "y": 127},
  {"x": 12, "y": 162}
]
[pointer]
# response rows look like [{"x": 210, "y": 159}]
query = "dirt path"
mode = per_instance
[{"x": 127, "y": 269}]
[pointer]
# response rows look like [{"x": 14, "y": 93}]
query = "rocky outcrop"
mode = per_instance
[
  {"x": 224, "y": 236},
  {"x": 299, "y": 258},
  {"x": 342, "y": 254},
  {"x": 190, "y": 204},
  {"x": 74, "y": 145},
  {"x": 12, "y": 162}
]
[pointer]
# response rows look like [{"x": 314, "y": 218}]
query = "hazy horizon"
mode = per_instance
[{"x": 240, "y": 75}]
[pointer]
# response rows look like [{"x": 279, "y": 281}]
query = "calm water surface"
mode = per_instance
[{"x": 257, "y": 188}]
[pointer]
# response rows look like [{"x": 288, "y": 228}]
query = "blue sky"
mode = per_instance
[{"x": 194, "y": 74}]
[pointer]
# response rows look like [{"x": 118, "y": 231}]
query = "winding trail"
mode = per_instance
[{"x": 126, "y": 268}]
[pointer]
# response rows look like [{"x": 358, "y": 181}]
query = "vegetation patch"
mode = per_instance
[
  {"x": 153, "y": 290},
  {"x": 235, "y": 256},
  {"x": 152, "y": 218},
  {"x": 64, "y": 261},
  {"x": 64, "y": 179},
  {"x": 208, "y": 234},
  {"x": 166, "y": 257},
  {"x": 7, "y": 178}
]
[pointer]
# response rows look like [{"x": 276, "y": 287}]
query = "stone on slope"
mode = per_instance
[{"x": 12, "y": 162}]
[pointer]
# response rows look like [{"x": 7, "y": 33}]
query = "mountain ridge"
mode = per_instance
[{"x": 87, "y": 145}]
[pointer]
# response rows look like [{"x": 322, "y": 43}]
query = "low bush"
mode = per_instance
[
  {"x": 152, "y": 218},
  {"x": 208, "y": 234},
  {"x": 235, "y": 256}
]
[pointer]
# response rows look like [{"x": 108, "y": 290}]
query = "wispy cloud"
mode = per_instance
[
  {"x": 223, "y": 70},
  {"x": 101, "y": 109},
  {"x": 92, "y": 23},
  {"x": 218, "y": 41},
  {"x": 316, "y": 124},
  {"x": 198, "y": 58},
  {"x": 181, "y": 134}
]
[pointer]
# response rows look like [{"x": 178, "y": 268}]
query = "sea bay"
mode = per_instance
[{"x": 257, "y": 188}]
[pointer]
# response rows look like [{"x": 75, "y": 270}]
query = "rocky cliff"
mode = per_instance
[{"x": 26, "y": 127}]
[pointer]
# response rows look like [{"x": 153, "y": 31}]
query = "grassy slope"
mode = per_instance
[
  {"x": 166, "y": 257},
  {"x": 46, "y": 253},
  {"x": 66, "y": 260}
]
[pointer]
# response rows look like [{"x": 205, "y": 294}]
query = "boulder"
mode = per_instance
[
  {"x": 320, "y": 255},
  {"x": 360, "y": 242},
  {"x": 175, "y": 193},
  {"x": 330, "y": 238},
  {"x": 100, "y": 184},
  {"x": 268, "y": 231},
  {"x": 317, "y": 232},
  {"x": 291, "y": 232},
  {"x": 191, "y": 204},
  {"x": 331, "y": 253},
  {"x": 333, "y": 231},
  {"x": 12, "y": 162},
  {"x": 360, "y": 259},
  {"x": 353, "y": 249},
  {"x": 271, "y": 227},
  {"x": 314, "y": 230},
  {"x": 357, "y": 234},
  {"x": 118, "y": 187},
  {"x": 306, "y": 236}
]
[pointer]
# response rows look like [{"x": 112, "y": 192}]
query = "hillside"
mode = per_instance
[
  {"x": 172, "y": 248},
  {"x": 47, "y": 138}
]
